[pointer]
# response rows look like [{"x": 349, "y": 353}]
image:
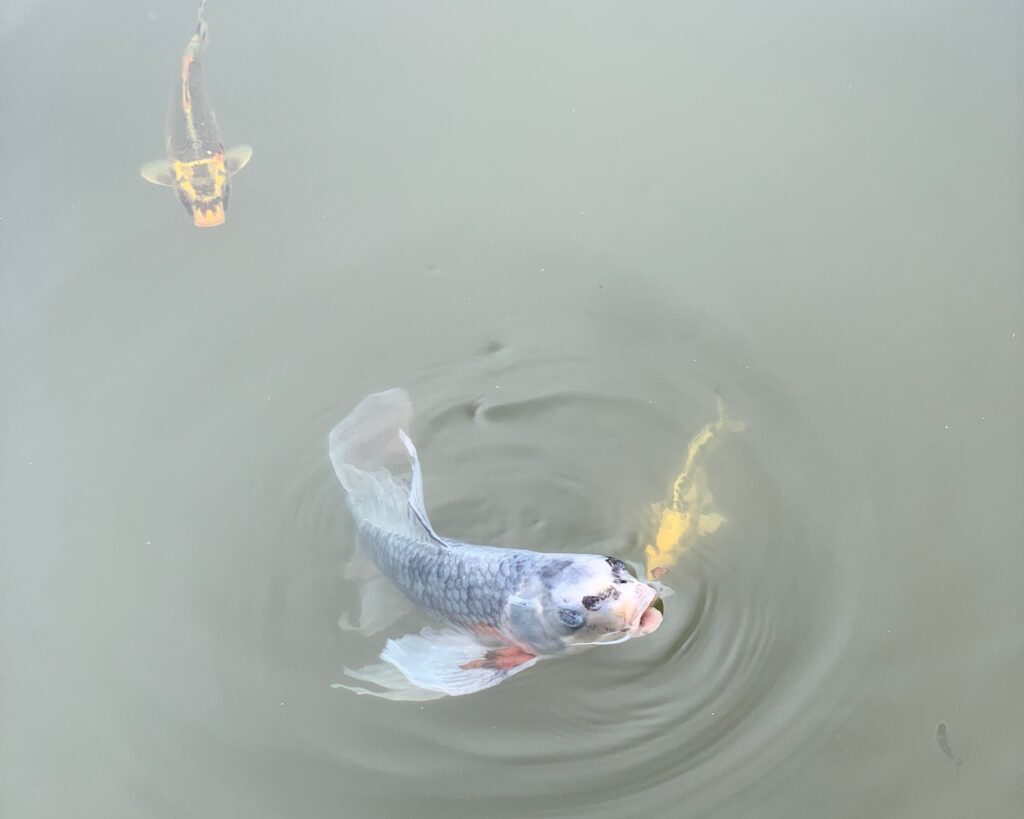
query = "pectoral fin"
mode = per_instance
[
  {"x": 389, "y": 682},
  {"x": 439, "y": 663},
  {"x": 380, "y": 602},
  {"x": 237, "y": 158},
  {"x": 159, "y": 172}
]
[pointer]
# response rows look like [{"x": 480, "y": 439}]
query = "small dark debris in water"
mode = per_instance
[
  {"x": 492, "y": 347},
  {"x": 942, "y": 737}
]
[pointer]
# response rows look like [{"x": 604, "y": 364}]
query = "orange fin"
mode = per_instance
[
  {"x": 437, "y": 663},
  {"x": 501, "y": 659}
]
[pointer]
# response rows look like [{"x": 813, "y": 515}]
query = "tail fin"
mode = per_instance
[
  {"x": 367, "y": 438},
  {"x": 362, "y": 447},
  {"x": 201, "y": 33}
]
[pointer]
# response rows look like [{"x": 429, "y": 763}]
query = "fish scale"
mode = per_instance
[{"x": 463, "y": 584}]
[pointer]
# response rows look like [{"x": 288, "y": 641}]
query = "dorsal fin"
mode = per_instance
[{"x": 416, "y": 503}]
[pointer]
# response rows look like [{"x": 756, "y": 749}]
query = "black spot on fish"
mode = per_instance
[
  {"x": 554, "y": 567},
  {"x": 570, "y": 618},
  {"x": 593, "y": 601},
  {"x": 618, "y": 570}
]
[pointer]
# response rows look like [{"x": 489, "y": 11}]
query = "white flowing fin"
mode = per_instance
[
  {"x": 362, "y": 447},
  {"x": 443, "y": 662},
  {"x": 380, "y": 603},
  {"x": 237, "y": 158},
  {"x": 452, "y": 662},
  {"x": 416, "y": 502},
  {"x": 366, "y": 439},
  {"x": 159, "y": 172},
  {"x": 392, "y": 684}
]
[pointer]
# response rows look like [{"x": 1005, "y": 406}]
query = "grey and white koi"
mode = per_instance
[{"x": 502, "y": 610}]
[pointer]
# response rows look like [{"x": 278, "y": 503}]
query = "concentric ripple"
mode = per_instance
[
  {"x": 524, "y": 447},
  {"x": 544, "y": 433}
]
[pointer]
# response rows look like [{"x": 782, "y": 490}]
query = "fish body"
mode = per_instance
[
  {"x": 502, "y": 609},
  {"x": 197, "y": 166},
  {"x": 687, "y": 515}
]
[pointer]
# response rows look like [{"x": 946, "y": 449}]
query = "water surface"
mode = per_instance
[{"x": 565, "y": 230}]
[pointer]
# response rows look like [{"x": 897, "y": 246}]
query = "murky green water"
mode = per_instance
[{"x": 564, "y": 228}]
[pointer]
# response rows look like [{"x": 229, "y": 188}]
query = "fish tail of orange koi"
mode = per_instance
[{"x": 197, "y": 42}]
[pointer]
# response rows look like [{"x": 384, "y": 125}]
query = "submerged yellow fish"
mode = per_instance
[
  {"x": 197, "y": 167},
  {"x": 687, "y": 515}
]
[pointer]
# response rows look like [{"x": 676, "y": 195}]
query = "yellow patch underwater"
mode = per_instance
[{"x": 687, "y": 514}]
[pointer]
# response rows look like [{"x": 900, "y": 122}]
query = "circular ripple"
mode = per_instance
[{"x": 526, "y": 448}]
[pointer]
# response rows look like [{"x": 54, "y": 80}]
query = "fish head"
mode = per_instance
[
  {"x": 581, "y": 600},
  {"x": 203, "y": 187}
]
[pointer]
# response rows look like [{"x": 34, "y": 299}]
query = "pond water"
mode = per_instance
[{"x": 567, "y": 230}]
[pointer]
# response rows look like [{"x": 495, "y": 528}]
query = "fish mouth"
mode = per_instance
[
  {"x": 650, "y": 618},
  {"x": 647, "y": 615}
]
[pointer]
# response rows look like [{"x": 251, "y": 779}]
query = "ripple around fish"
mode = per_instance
[
  {"x": 725, "y": 690},
  {"x": 714, "y": 700},
  {"x": 544, "y": 432}
]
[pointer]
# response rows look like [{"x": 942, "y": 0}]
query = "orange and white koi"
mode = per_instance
[{"x": 197, "y": 166}]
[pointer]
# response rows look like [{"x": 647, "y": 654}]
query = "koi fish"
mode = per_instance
[
  {"x": 197, "y": 167},
  {"x": 501, "y": 611},
  {"x": 686, "y": 515}
]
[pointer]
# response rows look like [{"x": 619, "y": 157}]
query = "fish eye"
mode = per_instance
[{"x": 570, "y": 618}]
